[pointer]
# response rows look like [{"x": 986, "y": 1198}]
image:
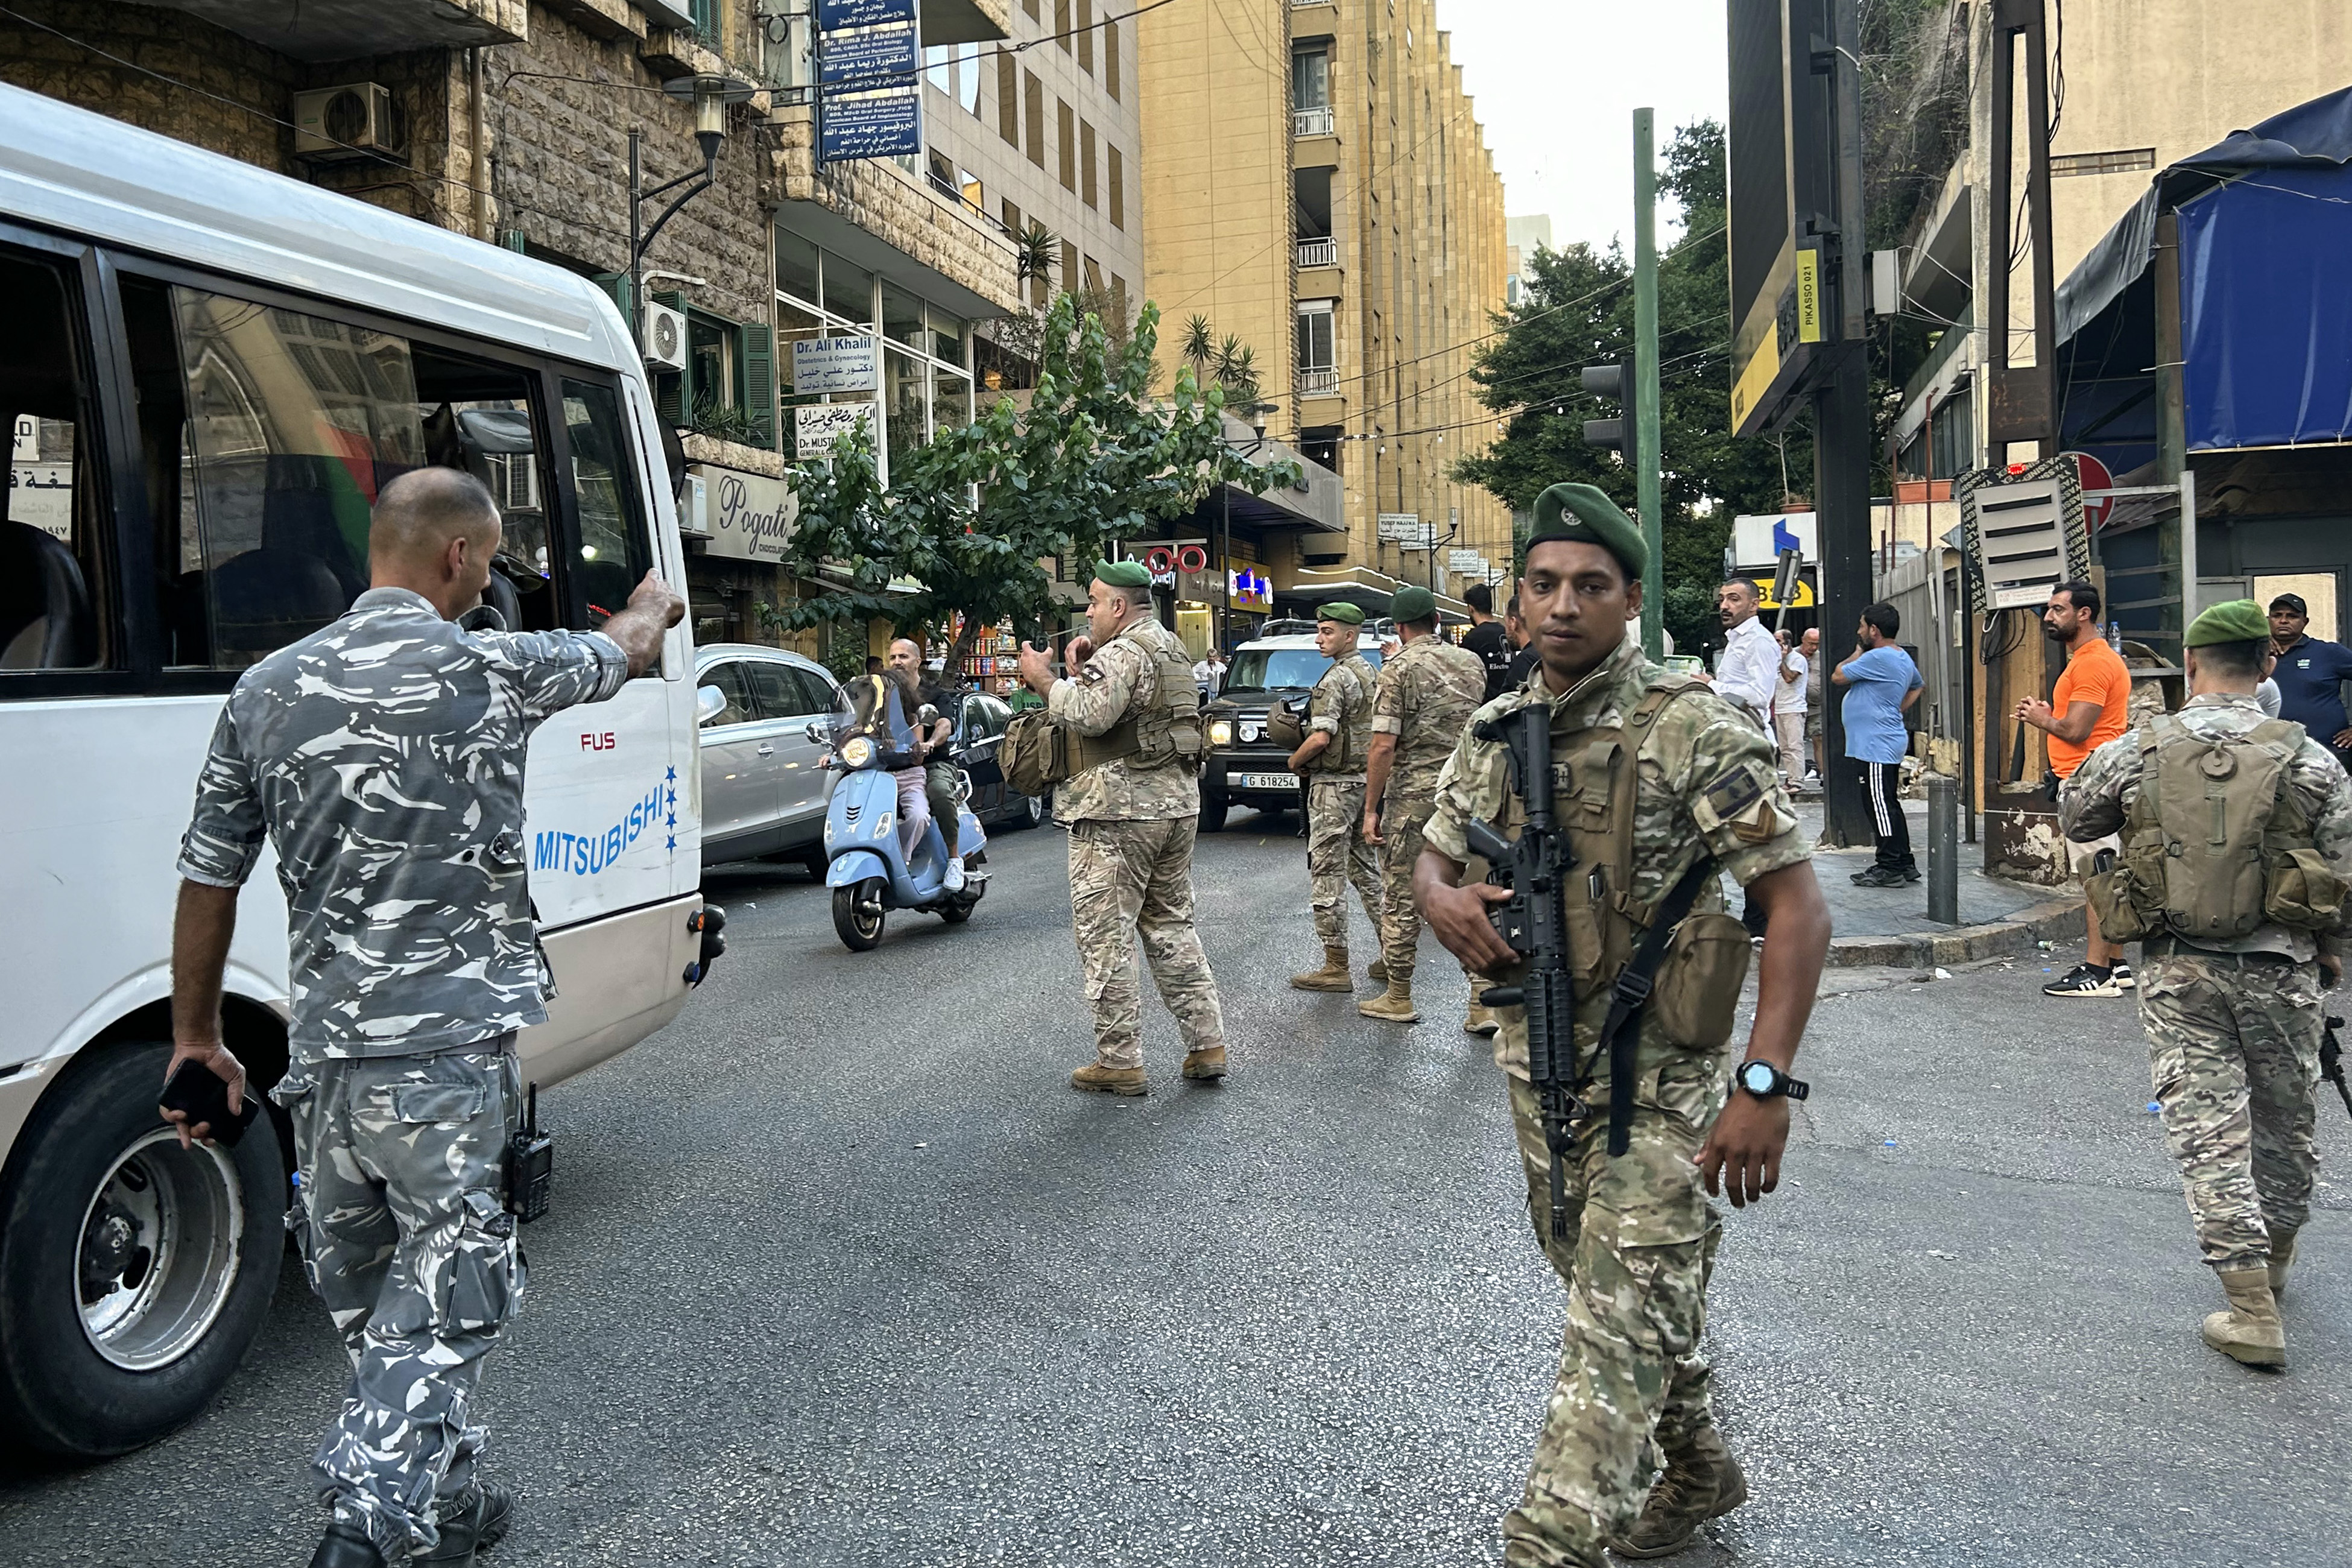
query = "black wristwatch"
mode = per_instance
[{"x": 1764, "y": 1080}]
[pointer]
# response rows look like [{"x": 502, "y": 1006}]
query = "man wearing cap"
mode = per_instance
[
  {"x": 2311, "y": 676},
  {"x": 1662, "y": 786},
  {"x": 2234, "y": 1023},
  {"x": 1132, "y": 806},
  {"x": 1331, "y": 759},
  {"x": 1425, "y": 697}
]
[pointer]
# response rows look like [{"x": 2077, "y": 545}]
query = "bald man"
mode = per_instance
[
  {"x": 933, "y": 745},
  {"x": 382, "y": 757}
]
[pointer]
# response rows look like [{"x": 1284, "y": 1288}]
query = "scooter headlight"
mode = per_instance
[{"x": 857, "y": 750}]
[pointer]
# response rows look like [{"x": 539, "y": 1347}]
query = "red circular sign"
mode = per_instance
[
  {"x": 1160, "y": 560},
  {"x": 2095, "y": 476},
  {"x": 1191, "y": 558}
]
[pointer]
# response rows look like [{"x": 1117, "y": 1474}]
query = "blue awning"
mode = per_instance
[{"x": 2266, "y": 310}]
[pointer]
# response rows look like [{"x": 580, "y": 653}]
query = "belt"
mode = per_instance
[{"x": 2173, "y": 946}]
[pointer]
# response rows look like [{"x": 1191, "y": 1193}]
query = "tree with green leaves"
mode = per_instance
[{"x": 970, "y": 519}]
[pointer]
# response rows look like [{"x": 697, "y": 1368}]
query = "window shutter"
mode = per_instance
[
  {"x": 759, "y": 356},
  {"x": 616, "y": 284},
  {"x": 669, "y": 400}
]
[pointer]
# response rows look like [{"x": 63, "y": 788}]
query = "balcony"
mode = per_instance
[
  {"x": 1318, "y": 382},
  {"x": 1319, "y": 252},
  {"x": 1311, "y": 121},
  {"x": 353, "y": 29}
]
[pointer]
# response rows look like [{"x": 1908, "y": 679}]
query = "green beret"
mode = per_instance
[
  {"x": 1413, "y": 604},
  {"x": 1583, "y": 513},
  {"x": 1123, "y": 573},
  {"x": 1346, "y": 615},
  {"x": 2234, "y": 620}
]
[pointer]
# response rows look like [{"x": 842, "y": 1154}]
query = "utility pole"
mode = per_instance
[{"x": 1647, "y": 462}]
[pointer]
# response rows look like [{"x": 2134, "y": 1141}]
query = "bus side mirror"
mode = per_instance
[{"x": 710, "y": 702}]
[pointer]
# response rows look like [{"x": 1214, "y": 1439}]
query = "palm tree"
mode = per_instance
[
  {"x": 1198, "y": 348},
  {"x": 1034, "y": 252}
]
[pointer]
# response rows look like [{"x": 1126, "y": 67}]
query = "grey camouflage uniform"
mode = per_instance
[
  {"x": 1131, "y": 830},
  {"x": 382, "y": 757},
  {"x": 1338, "y": 854},
  {"x": 2233, "y": 1028},
  {"x": 1425, "y": 697},
  {"x": 1642, "y": 1236}
]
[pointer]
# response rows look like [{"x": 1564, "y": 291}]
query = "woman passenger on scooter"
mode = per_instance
[{"x": 883, "y": 706}]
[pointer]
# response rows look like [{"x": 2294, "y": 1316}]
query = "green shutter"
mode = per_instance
[
  {"x": 757, "y": 352},
  {"x": 669, "y": 399},
  {"x": 616, "y": 284}
]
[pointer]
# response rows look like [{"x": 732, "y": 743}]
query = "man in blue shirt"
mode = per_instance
[
  {"x": 2310, "y": 674},
  {"x": 1881, "y": 684}
]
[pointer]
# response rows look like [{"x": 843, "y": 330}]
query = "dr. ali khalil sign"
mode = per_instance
[
  {"x": 751, "y": 516},
  {"x": 835, "y": 365},
  {"x": 869, "y": 61},
  {"x": 817, "y": 425}
]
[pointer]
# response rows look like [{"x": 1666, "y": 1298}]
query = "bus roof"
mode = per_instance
[{"x": 68, "y": 168}]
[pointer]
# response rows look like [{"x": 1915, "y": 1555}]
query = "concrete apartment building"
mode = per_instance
[{"x": 1315, "y": 183}]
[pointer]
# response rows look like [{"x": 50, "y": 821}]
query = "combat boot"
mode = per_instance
[
  {"x": 1206, "y": 1063},
  {"x": 346, "y": 1546},
  {"x": 1335, "y": 975},
  {"x": 2250, "y": 1332},
  {"x": 1395, "y": 1003},
  {"x": 1101, "y": 1079},
  {"x": 2282, "y": 1254},
  {"x": 1377, "y": 971},
  {"x": 1701, "y": 1482},
  {"x": 477, "y": 1528},
  {"x": 1482, "y": 1021}
]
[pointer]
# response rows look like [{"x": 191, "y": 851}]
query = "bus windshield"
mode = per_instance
[{"x": 1282, "y": 669}]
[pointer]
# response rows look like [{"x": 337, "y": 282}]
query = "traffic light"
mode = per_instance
[{"x": 1615, "y": 383}]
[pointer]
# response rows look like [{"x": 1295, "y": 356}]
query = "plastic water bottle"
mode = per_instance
[{"x": 2116, "y": 635}]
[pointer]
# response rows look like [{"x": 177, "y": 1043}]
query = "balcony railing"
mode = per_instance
[
  {"x": 1311, "y": 121},
  {"x": 1323, "y": 252},
  {"x": 1317, "y": 383}
]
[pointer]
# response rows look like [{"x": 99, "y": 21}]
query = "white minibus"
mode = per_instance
[{"x": 207, "y": 372}]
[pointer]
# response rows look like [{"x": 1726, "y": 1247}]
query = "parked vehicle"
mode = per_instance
[
  {"x": 980, "y": 732},
  {"x": 868, "y": 872},
  {"x": 1243, "y": 766},
  {"x": 763, "y": 785},
  {"x": 209, "y": 371}
]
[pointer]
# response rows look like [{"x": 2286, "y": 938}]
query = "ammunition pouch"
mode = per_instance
[
  {"x": 1697, "y": 993},
  {"x": 1036, "y": 752},
  {"x": 2302, "y": 892}
]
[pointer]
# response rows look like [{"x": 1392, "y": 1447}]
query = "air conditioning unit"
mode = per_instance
[
  {"x": 665, "y": 338},
  {"x": 360, "y": 120},
  {"x": 694, "y": 507}
]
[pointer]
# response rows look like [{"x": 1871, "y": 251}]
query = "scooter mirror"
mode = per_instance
[
  {"x": 926, "y": 715},
  {"x": 710, "y": 702},
  {"x": 817, "y": 733}
]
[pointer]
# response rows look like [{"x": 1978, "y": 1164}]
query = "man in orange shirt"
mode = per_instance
[{"x": 2090, "y": 706}]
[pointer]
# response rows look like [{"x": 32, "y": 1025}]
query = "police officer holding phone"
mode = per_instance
[{"x": 382, "y": 757}]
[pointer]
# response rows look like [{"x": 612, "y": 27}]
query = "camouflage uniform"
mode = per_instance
[
  {"x": 1336, "y": 851},
  {"x": 1641, "y": 1235},
  {"x": 1131, "y": 829},
  {"x": 382, "y": 758},
  {"x": 2233, "y": 1026},
  {"x": 1425, "y": 697}
]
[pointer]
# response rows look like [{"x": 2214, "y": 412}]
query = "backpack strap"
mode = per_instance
[{"x": 1638, "y": 725}]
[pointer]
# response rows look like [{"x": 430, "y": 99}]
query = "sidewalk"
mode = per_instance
[{"x": 1890, "y": 925}]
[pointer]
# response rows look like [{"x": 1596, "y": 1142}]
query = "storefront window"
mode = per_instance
[
  {"x": 947, "y": 336},
  {"x": 848, "y": 290},
  {"x": 910, "y": 407},
  {"x": 796, "y": 268},
  {"x": 902, "y": 317},
  {"x": 951, "y": 401}
]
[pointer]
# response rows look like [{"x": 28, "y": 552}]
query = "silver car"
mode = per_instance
[{"x": 762, "y": 791}]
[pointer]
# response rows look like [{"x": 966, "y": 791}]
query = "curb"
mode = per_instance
[{"x": 2054, "y": 921}]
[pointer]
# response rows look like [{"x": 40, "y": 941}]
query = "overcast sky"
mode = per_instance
[{"x": 1557, "y": 82}]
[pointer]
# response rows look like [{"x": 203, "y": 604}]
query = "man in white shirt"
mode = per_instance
[
  {"x": 1209, "y": 674},
  {"x": 1788, "y": 710},
  {"x": 1749, "y": 670}
]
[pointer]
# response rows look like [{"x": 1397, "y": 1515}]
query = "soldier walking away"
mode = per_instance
[
  {"x": 1488, "y": 639},
  {"x": 2237, "y": 854},
  {"x": 1331, "y": 759},
  {"x": 1132, "y": 806},
  {"x": 1424, "y": 698},
  {"x": 382, "y": 757},
  {"x": 1658, "y": 785}
]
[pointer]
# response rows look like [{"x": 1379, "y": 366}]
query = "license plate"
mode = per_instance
[{"x": 1266, "y": 781}]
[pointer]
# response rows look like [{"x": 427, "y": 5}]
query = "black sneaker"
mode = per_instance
[
  {"x": 1879, "y": 876},
  {"x": 2123, "y": 975},
  {"x": 2084, "y": 981}
]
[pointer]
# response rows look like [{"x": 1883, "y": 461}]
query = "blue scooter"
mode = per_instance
[{"x": 868, "y": 874}]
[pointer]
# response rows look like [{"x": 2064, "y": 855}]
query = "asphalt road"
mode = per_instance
[{"x": 841, "y": 1272}]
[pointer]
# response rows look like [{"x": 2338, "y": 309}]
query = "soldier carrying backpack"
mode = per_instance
[{"x": 2237, "y": 854}]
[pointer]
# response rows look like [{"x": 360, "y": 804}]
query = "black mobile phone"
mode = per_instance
[{"x": 200, "y": 1094}]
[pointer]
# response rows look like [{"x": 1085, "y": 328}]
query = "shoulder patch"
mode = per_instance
[{"x": 1734, "y": 793}]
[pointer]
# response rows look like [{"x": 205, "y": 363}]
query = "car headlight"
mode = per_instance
[
  {"x": 857, "y": 750},
  {"x": 1220, "y": 732},
  {"x": 1249, "y": 732}
]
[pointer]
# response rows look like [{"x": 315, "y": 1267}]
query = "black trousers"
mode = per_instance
[{"x": 1883, "y": 783}]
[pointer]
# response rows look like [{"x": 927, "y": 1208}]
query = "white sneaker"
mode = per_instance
[{"x": 953, "y": 881}]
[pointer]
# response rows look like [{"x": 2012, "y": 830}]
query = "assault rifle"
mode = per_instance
[
  {"x": 1535, "y": 922},
  {"x": 2331, "y": 1061}
]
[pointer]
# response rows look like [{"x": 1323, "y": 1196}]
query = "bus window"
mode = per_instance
[
  {"x": 478, "y": 417},
  {"x": 613, "y": 549},
  {"x": 53, "y": 579}
]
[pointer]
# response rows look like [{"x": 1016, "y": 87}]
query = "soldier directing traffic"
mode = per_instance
[
  {"x": 2236, "y": 854},
  {"x": 1658, "y": 783},
  {"x": 1131, "y": 801},
  {"x": 382, "y": 757},
  {"x": 1331, "y": 759},
  {"x": 1426, "y": 695}
]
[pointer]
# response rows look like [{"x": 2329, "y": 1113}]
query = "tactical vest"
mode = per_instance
[
  {"x": 1595, "y": 797},
  {"x": 1341, "y": 756},
  {"x": 1166, "y": 733},
  {"x": 2216, "y": 845}
]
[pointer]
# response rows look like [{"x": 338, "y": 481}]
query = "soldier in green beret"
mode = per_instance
[
  {"x": 2240, "y": 922},
  {"x": 1331, "y": 760},
  {"x": 1132, "y": 804},
  {"x": 1659, "y": 783}
]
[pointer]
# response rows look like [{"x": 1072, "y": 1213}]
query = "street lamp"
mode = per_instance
[
  {"x": 1256, "y": 414},
  {"x": 711, "y": 94}
]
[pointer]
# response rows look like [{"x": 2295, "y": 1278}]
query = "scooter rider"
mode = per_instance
[
  {"x": 883, "y": 707},
  {"x": 931, "y": 747}
]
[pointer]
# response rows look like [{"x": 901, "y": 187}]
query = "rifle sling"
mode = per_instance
[{"x": 1620, "y": 1033}]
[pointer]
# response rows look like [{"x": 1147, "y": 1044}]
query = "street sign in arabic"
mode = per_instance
[
  {"x": 816, "y": 426},
  {"x": 871, "y": 125},
  {"x": 835, "y": 365},
  {"x": 886, "y": 57},
  {"x": 836, "y": 14},
  {"x": 1467, "y": 564},
  {"x": 1406, "y": 531}
]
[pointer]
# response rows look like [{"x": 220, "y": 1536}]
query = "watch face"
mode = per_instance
[{"x": 1756, "y": 1078}]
